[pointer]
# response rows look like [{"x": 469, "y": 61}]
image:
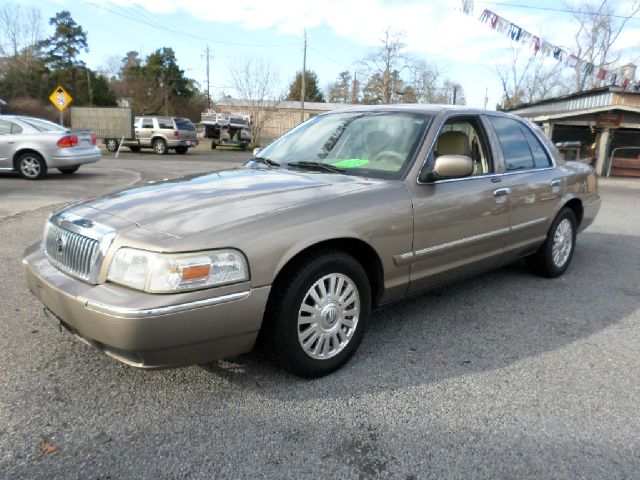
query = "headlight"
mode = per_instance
[{"x": 164, "y": 273}]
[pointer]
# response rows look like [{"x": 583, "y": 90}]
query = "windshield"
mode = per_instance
[
  {"x": 378, "y": 144},
  {"x": 43, "y": 125}
]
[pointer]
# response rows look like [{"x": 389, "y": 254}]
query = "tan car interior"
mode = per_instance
[{"x": 455, "y": 141}]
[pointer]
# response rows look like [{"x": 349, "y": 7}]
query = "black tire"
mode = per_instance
[
  {"x": 69, "y": 170},
  {"x": 112, "y": 144},
  {"x": 160, "y": 146},
  {"x": 31, "y": 166},
  {"x": 545, "y": 261},
  {"x": 182, "y": 150},
  {"x": 281, "y": 331},
  {"x": 134, "y": 149}
]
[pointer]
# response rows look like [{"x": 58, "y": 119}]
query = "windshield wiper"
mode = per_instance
[
  {"x": 317, "y": 166},
  {"x": 266, "y": 161}
]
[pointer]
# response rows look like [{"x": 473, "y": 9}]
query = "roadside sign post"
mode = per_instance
[{"x": 61, "y": 100}]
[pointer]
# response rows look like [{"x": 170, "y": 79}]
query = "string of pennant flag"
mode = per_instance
[{"x": 540, "y": 46}]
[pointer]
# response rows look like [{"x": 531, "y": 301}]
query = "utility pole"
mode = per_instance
[
  {"x": 208, "y": 85},
  {"x": 304, "y": 71},
  {"x": 455, "y": 94},
  {"x": 486, "y": 98},
  {"x": 354, "y": 88}
]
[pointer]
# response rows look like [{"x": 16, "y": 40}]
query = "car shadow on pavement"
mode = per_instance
[{"x": 481, "y": 324}]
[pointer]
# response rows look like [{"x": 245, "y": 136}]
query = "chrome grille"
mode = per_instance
[{"x": 71, "y": 252}]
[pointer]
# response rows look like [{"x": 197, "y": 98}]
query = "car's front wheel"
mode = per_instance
[
  {"x": 31, "y": 166},
  {"x": 160, "y": 146},
  {"x": 554, "y": 257},
  {"x": 318, "y": 314}
]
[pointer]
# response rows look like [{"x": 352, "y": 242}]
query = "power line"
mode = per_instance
[
  {"x": 328, "y": 57},
  {"x": 563, "y": 10},
  {"x": 185, "y": 34}
]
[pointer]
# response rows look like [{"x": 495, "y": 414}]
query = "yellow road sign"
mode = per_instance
[{"x": 60, "y": 98}]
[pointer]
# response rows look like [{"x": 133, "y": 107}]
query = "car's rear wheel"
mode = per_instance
[
  {"x": 31, "y": 166},
  {"x": 318, "y": 314},
  {"x": 69, "y": 170},
  {"x": 160, "y": 146},
  {"x": 134, "y": 149},
  {"x": 112, "y": 144},
  {"x": 182, "y": 150},
  {"x": 554, "y": 256}
]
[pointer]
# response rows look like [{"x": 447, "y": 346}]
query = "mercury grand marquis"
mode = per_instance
[{"x": 346, "y": 212}]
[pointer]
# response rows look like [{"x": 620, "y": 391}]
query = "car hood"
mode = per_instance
[{"x": 185, "y": 206}]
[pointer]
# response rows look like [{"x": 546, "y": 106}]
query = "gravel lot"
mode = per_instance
[{"x": 505, "y": 375}]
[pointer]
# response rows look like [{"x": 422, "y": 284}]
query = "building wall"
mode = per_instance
[{"x": 287, "y": 116}]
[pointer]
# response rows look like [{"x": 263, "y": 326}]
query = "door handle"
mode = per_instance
[
  {"x": 555, "y": 183},
  {"x": 501, "y": 192}
]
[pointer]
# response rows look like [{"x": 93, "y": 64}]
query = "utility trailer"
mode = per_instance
[{"x": 227, "y": 129}]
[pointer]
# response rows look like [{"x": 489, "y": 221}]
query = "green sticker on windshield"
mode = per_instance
[{"x": 350, "y": 163}]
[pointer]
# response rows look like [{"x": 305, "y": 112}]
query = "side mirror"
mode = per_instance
[
  {"x": 256, "y": 151},
  {"x": 452, "y": 166}
]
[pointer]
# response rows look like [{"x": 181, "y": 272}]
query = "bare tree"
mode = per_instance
[
  {"x": 257, "y": 84},
  {"x": 21, "y": 32},
  {"x": 599, "y": 29},
  {"x": 384, "y": 66},
  {"x": 424, "y": 81},
  {"x": 526, "y": 77}
]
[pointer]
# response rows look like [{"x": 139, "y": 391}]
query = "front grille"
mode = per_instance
[{"x": 71, "y": 252}]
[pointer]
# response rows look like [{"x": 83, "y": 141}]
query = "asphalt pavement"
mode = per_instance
[{"x": 505, "y": 375}]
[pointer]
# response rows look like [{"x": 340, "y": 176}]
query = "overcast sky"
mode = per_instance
[{"x": 339, "y": 33}]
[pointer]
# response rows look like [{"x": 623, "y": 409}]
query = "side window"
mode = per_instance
[
  {"x": 147, "y": 123},
  {"x": 540, "y": 157},
  {"x": 463, "y": 136},
  {"x": 165, "y": 123},
  {"x": 515, "y": 148},
  {"x": 5, "y": 127}
]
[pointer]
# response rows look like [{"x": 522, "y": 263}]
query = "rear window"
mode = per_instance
[
  {"x": 43, "y": 125},
  {"x": 165, "y": 123},
  {"x": 184, "y": 124},
  {"x": 515, "y": 148}
]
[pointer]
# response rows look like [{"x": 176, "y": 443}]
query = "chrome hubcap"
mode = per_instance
[
  {"x": 562, "y": 243},
  {"x": 30, "y": 167},
  {"x": 159, "y": 147},
  {"x": 328, "y": 316}
]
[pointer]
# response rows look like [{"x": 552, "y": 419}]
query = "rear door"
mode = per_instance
[
  {"x": 460, "y": 224},
  {"x": 535, "y": 185}
]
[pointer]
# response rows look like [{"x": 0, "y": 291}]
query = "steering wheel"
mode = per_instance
[{"x": 388, "y": 160}]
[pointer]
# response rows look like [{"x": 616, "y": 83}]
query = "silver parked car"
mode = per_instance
[
  {"x": 31, "y": 146},
  {"x": 348, "y": 211},
  {"x": 159, "y": 133}
]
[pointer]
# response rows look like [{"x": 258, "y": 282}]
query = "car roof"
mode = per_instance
[{"x": 432, "y": 109}]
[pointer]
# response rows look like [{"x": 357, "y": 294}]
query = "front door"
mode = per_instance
[
  {"x": 145, "y": 131},
  {"x": 10, "y": 134},
  {"x": 460, "y": 224}
]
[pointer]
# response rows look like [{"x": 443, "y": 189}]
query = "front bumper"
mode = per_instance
[{"x": 146, "y": 330}]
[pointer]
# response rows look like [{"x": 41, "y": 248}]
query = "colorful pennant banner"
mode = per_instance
[{"x": 516, "y": 33}]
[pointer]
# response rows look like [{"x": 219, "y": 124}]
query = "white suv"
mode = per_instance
[{"x": 160, "y": 133}]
